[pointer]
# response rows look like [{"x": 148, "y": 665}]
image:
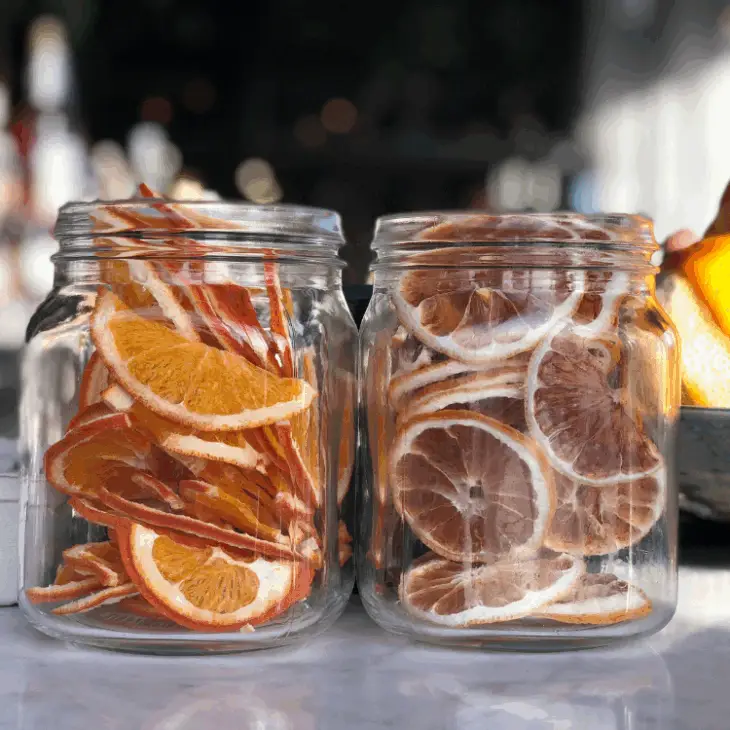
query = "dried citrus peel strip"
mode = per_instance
[{"x": 95, "y": 600}]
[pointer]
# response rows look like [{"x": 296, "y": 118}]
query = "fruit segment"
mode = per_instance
[
  {"x": 196, "y": 443},
  {"x": 507, "y": 444}
]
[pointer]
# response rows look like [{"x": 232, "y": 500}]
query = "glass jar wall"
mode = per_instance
[
  {"x": 187, "y": 423},
  {"x": 521, "y": 389}
]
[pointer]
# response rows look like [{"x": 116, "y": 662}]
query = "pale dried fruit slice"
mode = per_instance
[
  {"x": 67, "y": 591},
  {"x": 402, "y": 386},
  {"x": 103, "y": 597},
  {"x": 100, "y": 559},
  {"x": 458, "y": 594},
  {"x": 482, "y": 315},
  {"x": 579, "y": 413},
  {"x": 498, "y": 395},
  {"x": 599, "y": 306},
  {"x": 94, "y": 381},
  {"x": 154, "y": 517},
  {"x": 205, "y": 589},
  {"x": 232, "y": 447},
  {"x": 409, "y": 353},
  {"x": 470, "y": 487},
  {"x": 593, "y": 520},
  {"x": 599, "y": 599},
  {"x": 189, "y": 382}
]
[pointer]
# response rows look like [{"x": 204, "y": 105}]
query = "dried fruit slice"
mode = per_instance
[
  {"x": 138, "y": 606},
  {"x": 585, "y": 424},
  {"x": 302, "y": 480},
  {"x": 190, "y": 525},
  {"x": 482, "y": 315},
  {"x": 279, "y": 317},
  {"x": 470, "y": 487},
  {"x": 94, "y": 453},
  {"x": 66, "y": 591},
  {"x": 154, "y": 487},
  {"x": 599, "y": 306},
  {"x": 456, "y": 595},
  {"x": 346, "y": 432},
  {"x": 232, "y": 447},
  {"x": 99, "y": 412},
  {"x": 498, "y": 395},
  {"x": 103, "y": 597},
  {"x": 190, "y": 382},
  {"x": 599, "y": 599},
  {"x": 100, "y": 559},
  {"x": 95, "y": 513},
  {"x": 94, "y": 381},
  {"x": 205, "y": 589},
  {"x": 593, "y": 520},
  {"x": 402, "y": 386},
  {"x": 409, "y": 353},
  {"x": 242, "y": 511}
]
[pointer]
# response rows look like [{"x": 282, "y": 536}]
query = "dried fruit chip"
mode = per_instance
[
  {"x": 470, "y": 487},
  {"x": 458, "y": 594},
  {"x": 190, "y": 382}
]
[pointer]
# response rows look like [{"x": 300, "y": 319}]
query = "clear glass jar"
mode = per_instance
[
  {"x": 187, "y": 428},
  {"x": 521, "y": 388}
]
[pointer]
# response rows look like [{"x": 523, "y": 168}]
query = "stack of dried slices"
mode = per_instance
[
  {"x": 196, "y": 444},
  {"x": 509, "y": 436}
]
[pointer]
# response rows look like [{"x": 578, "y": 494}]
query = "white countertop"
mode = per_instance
[{"x": 356, "y": 677}]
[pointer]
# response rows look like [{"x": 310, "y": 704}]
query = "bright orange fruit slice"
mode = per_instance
[
  {"x": 458, "y": 594},
  {"x": 579, "y": 413},
  {"x": 599, "y": 599},
  {"x": 100, "y": 559},
  {"x": 103, "y": 597},
  {"x": 279, "y": 317},
  {"x": 593, "y": 520},
  {"x": 470, "y": 487},
  {"x": 206, "y": 589},
  {"x": 94, "y": 381},
  {"x": 190, "y": 382},
  {"x": 481, "y": 315},
  {"x": 68, "y": 590}
]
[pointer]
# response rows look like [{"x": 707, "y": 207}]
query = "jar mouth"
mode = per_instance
[
  {"x": 529, "y": 239},
  {"x": 156, "y": 226}
]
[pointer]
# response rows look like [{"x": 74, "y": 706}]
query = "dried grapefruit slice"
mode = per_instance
[
  {"x": 593, "y": 520},
  {"x": 498, "y": 395},
  {"x": 190, "y": 382},
  {"x": 477, "y": 316},
  {"x": 103, "y": 597},
  {"x": 100, "y": 559},
  {"x": 470, "y": 487},
  {"x": 94, "y": 381},
  {"x": 205, "y": 589},
  {"x": 599, "y": 599},
  {"x": 585, "y": 424},
  {"x": 456, "y": 595}
]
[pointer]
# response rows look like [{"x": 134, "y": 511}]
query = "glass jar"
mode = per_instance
[
  {"x": 521, "y": 388},
  {"x": 187, "y": 428}
]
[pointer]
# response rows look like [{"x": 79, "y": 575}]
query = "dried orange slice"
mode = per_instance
[
  {"x": 96, "y": 513},
  {"x": 68, "y": 590},
  {"x": 100, "y": 559},
  {"x": 470, "y": 487},
  {"x": 94, "y": 381},
  {"x": 205, "y": 588},
  {"x": 481, "y": 315},
  {"x": 599, "y": 306},
  {"x": 93, "y": 454},
  {"x": 190, "y": 382},
  {"x": 102, "y": 412},
  {"x": 498, "y": 395},
  {"x": 593, "y": 520},
  {"x": 586, "y": 425},
  {"x": 103, "y": 597},
  {"x": 243, "y": 511},
  {"x": 157, "y": 518},
  {"x": 409, "y": 353},
  {"x": 279, "y": 317},
  {"x": 232, "y": 447},
  {"x": 302, "y": 479},
  {"x": 599, "y": 599},
  {"x": 458, "y": 594}
]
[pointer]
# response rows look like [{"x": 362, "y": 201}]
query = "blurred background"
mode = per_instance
[{"x": 506, "y": 105}]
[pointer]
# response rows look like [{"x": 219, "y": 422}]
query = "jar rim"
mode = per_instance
[
  {"x": 157, "y": 217},
  {"x": 477, "y": 227}
]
